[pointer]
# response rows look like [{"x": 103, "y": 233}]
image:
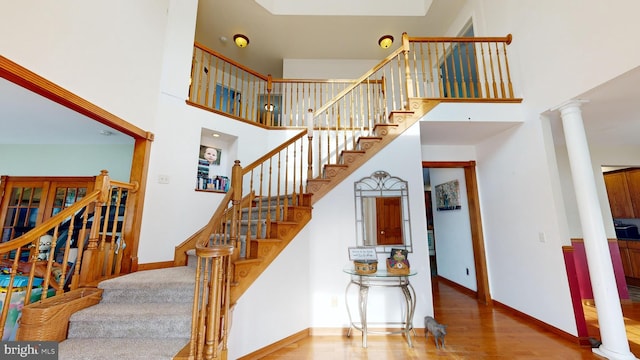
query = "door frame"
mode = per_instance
[
  {"x": 141, "y": 150},
  {"x": 483, "y": 294}
]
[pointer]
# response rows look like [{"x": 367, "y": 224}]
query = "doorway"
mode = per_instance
[
  {"x": 477, "y": 240},
  {"x": 141, "y": 149}
]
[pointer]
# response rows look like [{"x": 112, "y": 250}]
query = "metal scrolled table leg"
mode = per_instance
[
  {"x": 362, "y": 300},
  {"x": 409, "y": 296}
]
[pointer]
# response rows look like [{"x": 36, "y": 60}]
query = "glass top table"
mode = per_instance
[{"x": 381, "y": 278}]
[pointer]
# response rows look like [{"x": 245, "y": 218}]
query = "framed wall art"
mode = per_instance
[
  {"x": 209, "y": 177},
  {"x": 448, "y": 196}
]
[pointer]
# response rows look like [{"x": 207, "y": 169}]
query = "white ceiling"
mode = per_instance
[
  {"x": 273, "y": 38},
  {"x": 610, "y": 115},
  {"x": 28, "y": 118}
]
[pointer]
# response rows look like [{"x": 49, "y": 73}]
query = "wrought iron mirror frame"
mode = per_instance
[{"x": 381, "y": 184}]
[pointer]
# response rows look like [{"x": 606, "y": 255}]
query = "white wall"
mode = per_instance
[
  {"x": 326, "y": 68},
  {"x": 133, "y": 59},
  {"x": 319, "y": 269},
  {"x": 524, "y": 225},
  {"x": 108, "y": 52},
  {"x": 278, "y": 304}
]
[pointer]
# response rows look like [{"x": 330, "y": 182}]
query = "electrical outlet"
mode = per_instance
[
  {"x": 334, "y": 301},
  {"x": 163, "y": 179},
  {"x": 542, "y": 237}
]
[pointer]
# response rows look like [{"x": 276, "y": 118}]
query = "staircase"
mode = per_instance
[
  {"x": 142, "y": 315},
  {"x": 147, "y": 314},
  {"x": 368, "y": 146}
]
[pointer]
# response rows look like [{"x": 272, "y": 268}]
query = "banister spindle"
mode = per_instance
[{"x": 407, "y": 70}]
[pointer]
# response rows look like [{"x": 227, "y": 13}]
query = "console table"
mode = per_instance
[{"x": 381, "y": 278}]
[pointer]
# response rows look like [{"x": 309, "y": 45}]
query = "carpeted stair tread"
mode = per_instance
[
  {"x": 130, "y": 349},
  {"x": 128, "y": 311},
  {"x": 131, "y": 321},
  {"x": 153, "y": 279}
]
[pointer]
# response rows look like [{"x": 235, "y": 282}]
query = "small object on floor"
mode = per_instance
[
  {"x": 437, "y": 330},
  {"x": 595, "y": 343}
]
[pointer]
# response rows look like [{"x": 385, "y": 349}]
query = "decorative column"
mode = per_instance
[{"x": 605, "y": 292}]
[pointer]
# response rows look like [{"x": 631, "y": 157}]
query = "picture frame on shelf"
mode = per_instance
[{"x": 208, "y": 172}]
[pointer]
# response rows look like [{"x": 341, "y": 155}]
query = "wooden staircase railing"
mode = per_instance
[
  {"x": 243, "y": 236},
  {"x": 359, "y": 118},
  {"x": 443, "y": 68},
  {"x": 87, "y": 240}
]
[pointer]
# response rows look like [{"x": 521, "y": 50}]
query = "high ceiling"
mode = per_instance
[
  {"x": 273, "y": 38},
  {"x": 610, "y": 116}
]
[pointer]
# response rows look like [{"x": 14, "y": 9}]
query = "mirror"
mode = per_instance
[{"x": 382, "y": 212}]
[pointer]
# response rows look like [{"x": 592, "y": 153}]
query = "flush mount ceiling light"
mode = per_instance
[
  {"x": 385, "y": 41},
  {"x": 106, "y": 132},
  {"x": 241, "y": 40}
]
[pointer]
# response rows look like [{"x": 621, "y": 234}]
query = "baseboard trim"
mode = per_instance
[
  {"x": 259, "y": 354},
  {"x": 541, "y": 324},
  {"x": 561, "y": 333},
  {"x": 462, "y": 289}
]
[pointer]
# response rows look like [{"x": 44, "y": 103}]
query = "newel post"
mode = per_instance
[
  {"x": 236, "y": 199},
  {"x": 268, "y": 107},
  {"x": 407, "y": 69},
  {"x": 92, "y": 257}
]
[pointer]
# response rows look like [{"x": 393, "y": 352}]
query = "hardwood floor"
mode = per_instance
[{"x": 474, "y": 331}]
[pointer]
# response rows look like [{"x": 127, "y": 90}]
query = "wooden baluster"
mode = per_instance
[
  {"x": 502, "y": 90},
  {"x": 493, "y": 75},
  {"x": 208, "y": 80},
  {"x": 506, "y": 64},
  {"x": 487, "y": 93},
  {"x": 407, "y": 70},
  {"x": 193, "y": 82},
  {"x": 472, "y": 91},
  {"x": 462, "y": 79}
]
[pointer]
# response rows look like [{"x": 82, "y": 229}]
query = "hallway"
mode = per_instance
[{"x": 474, "y": 332}]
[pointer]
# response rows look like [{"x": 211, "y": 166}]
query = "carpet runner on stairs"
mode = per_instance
[{"x": 143, "y": 315}]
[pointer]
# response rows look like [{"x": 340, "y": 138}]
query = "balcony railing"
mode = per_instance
[
  {"x": 443, "y": 68},
  {"x": 336, "y": 114}
]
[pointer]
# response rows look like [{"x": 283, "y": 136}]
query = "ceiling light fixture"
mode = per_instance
[
  {"x": 385, "y": 41},
  {"x": 241, "y": 40},
  {"x": 106, "y": 132}
]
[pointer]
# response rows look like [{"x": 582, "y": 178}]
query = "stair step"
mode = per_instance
[
  {"x": 348, "y": 157},
  {"x": 333, "y": 170},
  {"x": 123, "y": 320},
  {"x": 130, "y": 349},
  {"x": 272, "y": 199},
  {"x": 367, "y": 142},
  {"x": 174, "y": 284},
  {"x": 261, "y": 212}
]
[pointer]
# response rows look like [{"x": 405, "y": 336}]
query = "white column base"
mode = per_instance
[{"x": 612, "y": 355}]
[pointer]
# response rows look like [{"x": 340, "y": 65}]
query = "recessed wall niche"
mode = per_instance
[{"x": 215, "y": 155}]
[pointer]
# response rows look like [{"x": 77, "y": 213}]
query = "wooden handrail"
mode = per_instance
[
  {"x": 70, "y": 226},
  {"x": 357, "y": 82},
  {"x": 271, "y": 153},
  {"x": 49, "y": 224},
  {"x": 506, "y": 39},
  {"x": 231, "y": 61},
  {"x": 345, "y": 114}
]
